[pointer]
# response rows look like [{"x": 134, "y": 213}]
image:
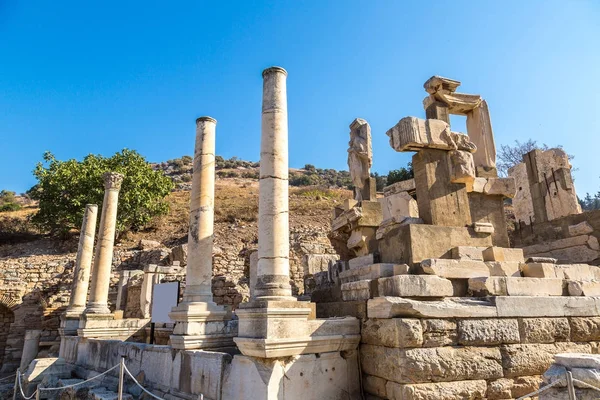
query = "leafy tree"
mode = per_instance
[
  {"x": 589, "y": 203},
  {"x": 380, "y": 181},
  {"x": 65, "y": 187},
  {"x": 509, "y": 156},
  {"x": 8, "y": 202},
  {"x": 402, "y": 174}
]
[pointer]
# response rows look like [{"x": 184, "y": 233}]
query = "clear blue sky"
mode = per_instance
[{"x": 82, "y": 77}]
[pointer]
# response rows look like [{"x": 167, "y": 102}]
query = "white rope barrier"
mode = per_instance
[
  {"x": 21, "y": 387},
  {"x": 140, "y": 386},
  {"x": 78, "y": 383},
  {"x": 586, "y": 385},
  {"x": 7, "y": 378}
]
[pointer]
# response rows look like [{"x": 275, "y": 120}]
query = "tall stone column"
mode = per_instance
[
  {"x": 273, "y": 275},
  {"x": 200, "y": 322},
  {"x": 98, "y": 301},
  {"x": 83, "y": 263}
]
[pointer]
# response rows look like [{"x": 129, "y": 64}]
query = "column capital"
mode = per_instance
[
  {"x": 206, "y": 119},
  {"x": 112, "y": 180},
  {"x": 273, "y": 70}
]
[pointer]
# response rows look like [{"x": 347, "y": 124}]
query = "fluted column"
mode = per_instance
[
  {"x": 98, "y": 301},
  {"x": 83, "y": 263},
  {"x": 273, "y": 276},
  {"x": 201, "y": 234}
]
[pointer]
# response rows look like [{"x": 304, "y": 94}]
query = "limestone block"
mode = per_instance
[
  {"x": 373, "y": 271},
  {"x": 468, "y": 253},
  {"x": 522, "y": 203},
  {"x": 500, "y": 187},
  {"x": 362, "y": 261},
  {"x": 358, "y": 290},
  {"x": 499, "y": 389},
  {"x": 585, "y": 329},
  {"x": 544, "y": 330},
  {"x": 504, "y": 268},
  {"x": 487, "y": 332},
  {"x": 584, "y": 288},
  {"x": 557, "y": 372},
  {"x": 555, "y": 245},
  {"x": 457, "y": 269},
  {"x": 534, "y": 359},
  {"x": 390, "y": 307},
  {"x": 465, "y": 390},
  {"x": 320, "y": 262},
  {"x": 413, "y": 134},
  {"x": 560, "y": 394},
  {"x": 593, "y": 243},
  {"x": 349, "y": 204},
  {"x": 439, "y": 333},
  {"x": 571, "y": 361},
  {"x": 443, "y": 364},
  {"x": 399, "y": 205},
  {"x": 395, "y": 332},
  {"x": 539, "y": 270},
  {"x": 462, "y": 169},
  {"x": 547, "y": 260},
  {"x": 478, "y": 185},
  {"x": 415, "y": 286},
  {"x": 402, "y": 186},
  {"x": 576, "y": 254},
  {"x": 524, "y": 385},
  {"x": 483, "y": 227},
  {"x": 582, "y": 228},
  {"x": 514, "y": 286},
  {"x": 554, "y": 306},
  {"x": 577, "y": 272},
  {"x": 494, "y": 253},
  {"x": 374, "y": 385}
]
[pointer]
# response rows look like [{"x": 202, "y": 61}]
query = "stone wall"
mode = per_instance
[
  {"x": 7, "y": 317},
  {"x": 492, "y": 358}
]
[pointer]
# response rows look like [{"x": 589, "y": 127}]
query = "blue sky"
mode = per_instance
[{"x": 95, "y": 77}]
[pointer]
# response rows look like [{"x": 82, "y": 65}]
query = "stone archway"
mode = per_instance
[{"x": 7, "y": 317}]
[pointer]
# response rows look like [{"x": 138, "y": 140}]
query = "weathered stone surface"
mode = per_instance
[
  {"x": 415, "y": 286},
  {"x": 500, "y": 286},
  {"x": 461, "y": 390},
  {"x": 439, "y": 332},
  {"x": 395, "y": 332},
  {"x": 373, "y": 271},
  {"x": 578, "y": 360},
  {"x": 584, "y": 288},
  {"x": 504, "y": 268},
  {"x": 577, "y": 272},
  {"x": 320, "y": 262},
  {"x": 539, "y": 270},
  {"x": 500, "y": 186},
  {"x": 398, "y": 187},
  {"x": 556, "y": 244},
  {"x": 575, "y": 254},
  {"x": 362, "y": 261},
  {"x": 374, "y": 385},
  {"x": 548, "y": 260},
  {"x": 494, "y": 253},
  {"x": 483, "y": 227},
  {"x": 390, "y": 307},
  {"x": 445, "y": 364},
  {"x": 534, "y": 359},
  {"x": 561, "y": 394},
  {"x": 524, "y": 385},
  {"x": 413, "y": 134},
  {"x": 585, "y": 329},
  {"x": 399, "y": 205},
  {"x": 358, "y": 290},
  {"x": 487, "y": 332},
  {"x": 544, "y": 330},
  {"x": 582, "y": 228},
  {"x": 499, "y": 389},
  {"x": 462, "y": 169},
  {"x": 468, "y": 253},
  {"x": 532, "y": 306},
  {"x": 455, "y": 268}
]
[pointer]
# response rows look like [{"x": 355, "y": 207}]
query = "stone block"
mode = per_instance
[
  {"x": 555, "y": 245},
  {"x": 415, "y": 286},
  {"x": 455, "y": 268},
  {"x": 478, "y": 185},
  {"x": 547, "y": 260},
  {"x": 554, "y": 306},
  {"x": 444, "y": 364},
  {"x": 411, "y": 244},
  {"x": 584, "y": 288},
  {"x": 582, "y": 228},
  {"x": 534, "y": 359},
  {"x": 320, "y": 262},
  {"x": 402, "y": 186},
  {"x": 500, "y": 187},
  {"x": 575, "y": 254},
  {"x": 488, "y": 332},
  {"x": 468, "y": 253},
  {"x": 539, "y": 270},
  {"x": 504, "y": 268},
  {"x": 500, "y": 286},
  {"x": 585, "y": 329},
  {"x": 394, "y": 332},
  {"x": 483, "y": 227},
  {"x": 362, "y": 261},
  {"x": 375, "y": 386},
  {"x": 390, "y": 307},
  {"x": 462, "y": 169},
  {"x": 439, "y": 333},
  {"x": 494, "y": 253},
  {"x": 358, "y": 290},
  {"x": 414, "y": 134},
  {"x": 578, "y": 272},
  {"x": 356, "y": 309},
  {"x": 372, "y": 271},
  {"x": 571, "y": 361},
  {"x": 399, "y": 205},
  {"x": 475, "y": 389},
  {"x": 544, "y": 330}
]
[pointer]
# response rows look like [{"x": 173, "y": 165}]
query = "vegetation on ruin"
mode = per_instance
[
  {"x": 399, "y": 175},
  {"x": 65, "y": 187},
  {"x": 511, "y": 155}
]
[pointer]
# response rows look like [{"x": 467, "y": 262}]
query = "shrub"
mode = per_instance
[
  {"x": 65, "y": 187},
  {"x": 8, "y": 202},
  {"x": 402, "y": 174}
]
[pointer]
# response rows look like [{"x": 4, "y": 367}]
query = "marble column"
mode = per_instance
[
  {"x": 273, "y": 275},
  {"x": 200, "y": 322},
  {"x": 98, "y": 301},
  {"x": 83, "y": 263}
]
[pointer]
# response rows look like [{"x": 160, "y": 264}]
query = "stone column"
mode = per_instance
[
  {"x": 98, "y": 301},
  {"x": 273, "y": 273},
  {"x": 30, "y": 348},
  {"x": 83, "y": 263},
  {"x": 200, "y": 322}
]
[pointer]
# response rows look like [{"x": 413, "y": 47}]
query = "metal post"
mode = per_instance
[
  {"x": 16, "y": 384},
  {"x": 570, "y": 386},
  {"x": 121, "y": 375},
  {"x": 37, "y": 393}
]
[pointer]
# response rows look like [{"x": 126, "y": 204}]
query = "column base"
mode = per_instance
[
  {"x": 69, "y": 323},
  {"x": 270, "y": 329},
  {"x": 202, "y": 325},
  {"x": 97, "y": 308}
]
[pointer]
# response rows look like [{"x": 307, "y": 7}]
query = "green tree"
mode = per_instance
[
  {"x": 65, "y": 187},
  {"x": 402, "y": 174},
  {"x": 8, "y": 202}
]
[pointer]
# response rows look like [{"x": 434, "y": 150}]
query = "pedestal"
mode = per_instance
[{"x": 202, "y": 325}]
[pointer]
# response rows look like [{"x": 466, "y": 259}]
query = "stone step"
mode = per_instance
[
  {"x": 415, "y": 286},
  {"x": 508, "y": 286},
  {"x": 373, "y": 271},
  {"x": 105, "y": 394},
  {"x": 465, "y": 269}
]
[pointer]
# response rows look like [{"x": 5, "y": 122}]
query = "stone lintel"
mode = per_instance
[{"x": 414, "y": 134}]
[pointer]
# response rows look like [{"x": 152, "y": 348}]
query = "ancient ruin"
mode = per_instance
[{"x": 425, "y": 298}]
